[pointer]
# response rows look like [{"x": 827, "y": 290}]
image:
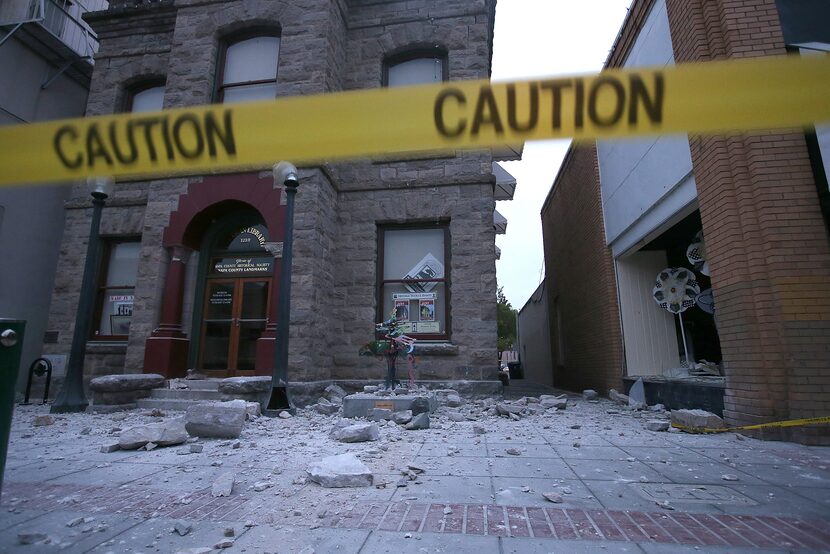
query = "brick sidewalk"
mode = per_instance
[{"x": 663, "y": 527}]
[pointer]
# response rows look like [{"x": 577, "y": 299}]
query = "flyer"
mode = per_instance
[
  {"x": 402, "y": 310},
  {"x": 426, "y": 310}
]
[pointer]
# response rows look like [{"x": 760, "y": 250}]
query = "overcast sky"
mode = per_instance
[{"x": 536, "y": 38}]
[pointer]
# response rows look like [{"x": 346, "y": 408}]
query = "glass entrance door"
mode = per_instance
[{"x": 235, "y": 314}]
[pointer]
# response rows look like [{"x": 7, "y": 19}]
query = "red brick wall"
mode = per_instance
[
  {"x": 580, "y": 273},
  {"x": 766, "y": 240}
]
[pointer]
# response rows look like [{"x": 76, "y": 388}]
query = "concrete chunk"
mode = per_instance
[
  {"x": 245, "y": 385},
  {"x": 129, "y": 382},
  {"x": 358, "y": 432},
  {"x": 167, "y": 433},
  {"x": 696, "y": 420},
  {"x": 223, "y": 485},
  {"x": 344, "y": 470},
  {"x": 216, "y": 419},
  {"x": 420, "y": 421}
]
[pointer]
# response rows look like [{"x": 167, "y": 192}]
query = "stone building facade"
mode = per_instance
[
  {"x": 760, "y": 201},
  {"x": 185, "y": 229}
]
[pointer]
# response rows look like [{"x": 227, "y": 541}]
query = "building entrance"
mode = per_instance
[
  {"x": 233, "y": 302},
  {"x": 235, "y": 317}
]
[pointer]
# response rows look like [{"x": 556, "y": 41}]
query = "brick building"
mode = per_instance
[
  {"x": 621, "y": 211},
  {"x": 187, "y": 281}
]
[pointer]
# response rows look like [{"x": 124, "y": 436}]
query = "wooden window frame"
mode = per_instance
[
  {"x": 230, "y": 40},
  {"x": 414, "y": 54},
  {"x": 101, "y": 291},
  {"x": 446, "y": 280}
]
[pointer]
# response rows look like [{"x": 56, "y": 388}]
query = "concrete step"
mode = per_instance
[
  {"x": 165, "y": 404},
  {"x": 185, "y": 394},
  {"x": 195, "y": 384}
]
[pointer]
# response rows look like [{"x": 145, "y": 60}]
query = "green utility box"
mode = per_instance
[{"x": 11, "y": 345}]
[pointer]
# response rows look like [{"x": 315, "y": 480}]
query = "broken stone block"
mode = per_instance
[
  {"x": 402, "y": 417},
  {"x": 457, "y": 417},
  {"x": 114, "y": 390},
  {"x": 167, "y": 433},
  {"x": 344, "y": 470},
  {"x": 454, "y": 401},
  {"x": 554, "y": 497},
  {"x": 357, "y": 432},
  {"x": 223, "y": 485},
  {"x": 505, "y": 409},
  {"x": 182, "y": 527},
  {"x": 696, "y": 420},
  {"x": 547, "y": 401},
  {"x": 109, "y": 447},
  {"x": 285, "y": 415},
  {"x": 43, "y": 420},
  {"x": 253, "y": 409},
  {"x": 216, "y": 419},
  {"x": 479, "y": 429},
  {"x": 196, "y": 448},
  {"x": 334, "y": 390},
  {"x": 380, "y": 414},
  {"x": 420, "y": 405},
  {"x": 657, "y": 425},
  {"x": 221, "y": 545},
  {"x": 127, "y": 382},
  {"x": 370, "y": 388},
  {"x": 420, "y": 421},
  {"x": 245, "y": 385},
  {"x": 589, "y": 394},
  {"x": 618, "y": 397},
  {"x": 324, "y": 407}
]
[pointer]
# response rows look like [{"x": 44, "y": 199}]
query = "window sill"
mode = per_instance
[
  {"x": 435, "y": 349},
  {"x": 106, "y": 347}
]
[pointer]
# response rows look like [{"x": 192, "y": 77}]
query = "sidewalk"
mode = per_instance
[{"x": 623, "y": 489}]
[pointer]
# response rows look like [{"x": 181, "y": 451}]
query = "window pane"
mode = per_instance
[
  {"x": 251, "y": 60},
  {"x": 416, "y": 72},
  {"x": 149, "y": 100},
  {"x": 116, "y": 312},
  {"x": 123, "y": 264},
  {"x": 249, "y": 93},
  {"x": 422, "y": 313},
  {"x": 413, "y": 253}
]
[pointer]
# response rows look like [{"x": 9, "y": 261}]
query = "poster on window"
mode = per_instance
[
  {"x": 429, "y": 327},
  {"x": 428, "y": 268},
  {"x": 426, "y": 310},
  {"x": 402, "y": 310}
]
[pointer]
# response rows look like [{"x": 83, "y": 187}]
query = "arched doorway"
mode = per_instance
[{"x": 233, "y": 295}]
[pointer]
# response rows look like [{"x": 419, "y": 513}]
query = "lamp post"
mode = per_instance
[
  {"x": 71, "y": 397},
  {"x": 287, "y": 174}
]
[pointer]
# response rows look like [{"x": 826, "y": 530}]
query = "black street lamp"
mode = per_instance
[
  {"x": 287, "y": 174},
  {"x": 71, "y": 397}
]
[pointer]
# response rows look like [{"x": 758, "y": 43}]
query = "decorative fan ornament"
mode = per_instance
[
  {"x": 706, "y": 301},
  {"x": 696, "y": 254},
  {"x": 675, "y": 289}
]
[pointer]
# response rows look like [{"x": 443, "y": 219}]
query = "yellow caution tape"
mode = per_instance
[
  {"x": 788, "y": 423},
  {"x": 708, "y": 97}
]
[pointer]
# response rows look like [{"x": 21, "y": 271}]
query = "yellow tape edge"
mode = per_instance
[
  {"x": 712, "y": 97},
  {"x": 787, "y": 423}
]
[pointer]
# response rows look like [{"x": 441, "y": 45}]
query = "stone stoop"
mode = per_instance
[{"x": 177, "y": 398}]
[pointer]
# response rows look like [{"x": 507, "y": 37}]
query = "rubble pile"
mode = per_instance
[{"x": 317, "y": 464}]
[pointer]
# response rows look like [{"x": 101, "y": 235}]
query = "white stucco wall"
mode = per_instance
[{"x": 645, "y": 181}]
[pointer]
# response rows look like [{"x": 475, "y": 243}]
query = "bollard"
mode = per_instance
[{"x": 11, "y": 346}]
